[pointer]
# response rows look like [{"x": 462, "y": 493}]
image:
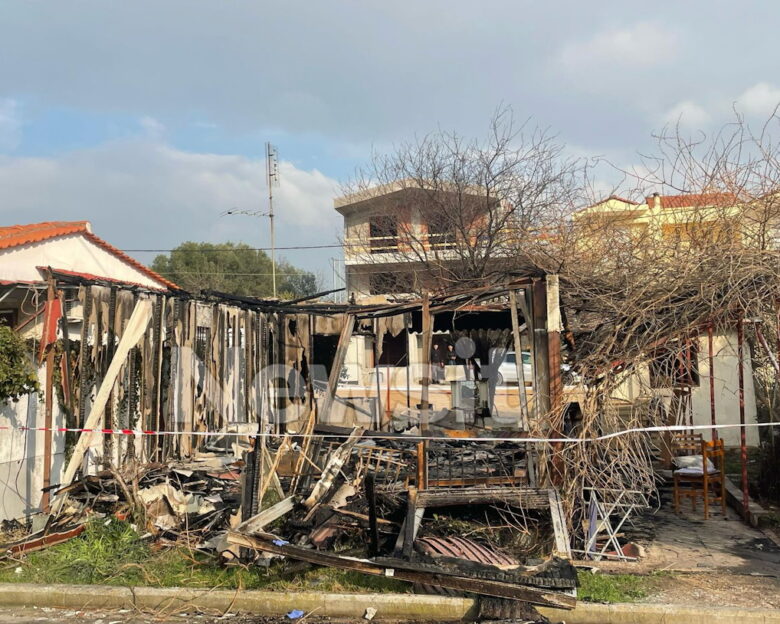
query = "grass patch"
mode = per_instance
[
  {"x": 112, "y": 553},
  {"x": 612, "y": 587},
  {"x": 733, "y": 462}
]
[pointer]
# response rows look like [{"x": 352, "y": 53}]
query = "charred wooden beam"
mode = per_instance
[
  {"x": 409, "y": 572},
  {"x": 528, "y": 498},
  {"x": 338, "y": 362},
  {"x": 516, "y": 329},
  {"x": 373, "y": 531}
]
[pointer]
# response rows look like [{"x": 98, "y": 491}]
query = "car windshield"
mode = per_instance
[{"x": 509, "y": 358}]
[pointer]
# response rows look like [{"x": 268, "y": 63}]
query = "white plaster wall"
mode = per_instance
[
  {"x": 74, "y": 252},
  {"x": 359, "y": 359},
  {"x": 636, "y": 387},
  {"x": 21, "y": 454},
  {"x": 726, "y": 389}
]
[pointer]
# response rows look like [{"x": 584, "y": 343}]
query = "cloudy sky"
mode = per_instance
[{"x": 149, "y": 117}]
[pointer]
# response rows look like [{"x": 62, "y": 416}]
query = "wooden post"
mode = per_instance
[
  {"x": 67, "y": 371},
  {"x": 377, "y": 338},
  {"x": 526, "y": 303},
  {"x": 49, "y": 400},
  {"x": 373, "y": 531},
  {"x": 519, "y": 362},
  {"x": 86, "y": 314},
  {"x": 422, "y": 465},
  {"x": 553, "y": 325},
  {"x": 547, "y": 355},
  {"x": 540, "y": 350},
  {"x": 742, "y": 435},
  {"x": 338, "y": 362},
  {"x": 711, "y": 360},
  {"x": 408, "y": 362},
  {"x": 108, "y": 416},
  {"x": 427, "y": 328},
  {"x": 155, "y": 447}
]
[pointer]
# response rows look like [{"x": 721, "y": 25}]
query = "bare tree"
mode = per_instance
[
  {"x": 445, "y": 210},
  {"x": 641, "y": 293},
  {"x": 638, "y": 294}
]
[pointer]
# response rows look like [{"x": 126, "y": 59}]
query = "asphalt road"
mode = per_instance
[{"x": 46, "y": 615}]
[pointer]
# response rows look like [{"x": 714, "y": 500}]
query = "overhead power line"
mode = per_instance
[
  {"x": 235, "y": 249},
  {"x": 231, "y": 273}
]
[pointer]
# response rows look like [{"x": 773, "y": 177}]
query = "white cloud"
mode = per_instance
[
  {"x": 761, "y": 99},
  {"x": 10, "y": 125},
  {"x": 153, "y": 128},
  {"x": 644, "y": 44},
  {"x": 758, "y": 101},
  {"x": 143, "y": 193},
  {"x": 687, "y": 114}
]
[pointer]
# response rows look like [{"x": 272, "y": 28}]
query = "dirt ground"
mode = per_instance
[
  {"x": 713, "y": 589},
  {"x": 715, "y": 562}
]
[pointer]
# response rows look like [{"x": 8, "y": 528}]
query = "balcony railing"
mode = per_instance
[{"x": 383, "y": 244}]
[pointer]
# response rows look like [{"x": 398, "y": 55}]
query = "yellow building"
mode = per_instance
[
  {"x": 666, "y": 224},
  {"x": 698, "y": 219}
]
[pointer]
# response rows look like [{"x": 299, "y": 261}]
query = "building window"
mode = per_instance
[
  {"x": 675, "y": 366},
  {"x": 440, "y": 232},
  {"x": 202, "y": 340},
  {"x": 391, "y": 283},
  {"x": 395, "y": 350},
  {"x": 383, "y": 233}
]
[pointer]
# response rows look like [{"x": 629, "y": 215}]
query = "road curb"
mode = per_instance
[
  {"x": 181, "y": 599},
  {"x": 626, "y": 613},
  {"x": 412, "y": 607}
]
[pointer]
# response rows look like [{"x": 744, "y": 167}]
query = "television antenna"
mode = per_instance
[{"x": 272, "y": 180}]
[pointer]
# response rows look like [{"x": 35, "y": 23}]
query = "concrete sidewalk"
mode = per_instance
[{"x": 350, "y": 606}]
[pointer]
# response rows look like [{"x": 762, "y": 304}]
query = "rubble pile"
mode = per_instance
[
  {"x": 468, "y": 523},
  {"x": 371, "y": 505}
]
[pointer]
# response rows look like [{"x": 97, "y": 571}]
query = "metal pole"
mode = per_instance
[
  {"x": 711, "y": 355},
  {"x": 270, "y": 178},
  {"x": 742, "y": 438}
]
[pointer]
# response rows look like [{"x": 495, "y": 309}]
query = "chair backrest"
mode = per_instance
[
  {"x": 714, "y": 451},
  {"x": 687, "y": 444}
]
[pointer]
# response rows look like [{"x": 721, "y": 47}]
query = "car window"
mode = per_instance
[
  {"x": 510, "y": 358},
  {"x": 526, "y": 358}
]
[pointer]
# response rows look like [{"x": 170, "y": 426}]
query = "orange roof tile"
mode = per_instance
[
  {"x": 618, "y": 198},
  {"x": 17, "y": 235},
  {"x": 695, "y": 199},
  {"x": 606, "y": 199}
]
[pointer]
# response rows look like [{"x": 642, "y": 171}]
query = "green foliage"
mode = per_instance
[
  {"x": 17, "y": 373},
  {"x": 612, "y": 587},
  {"x": 107, "y": 551},
  {"x": 233, "y": 268},
  {"x": 111, "y": 552}
]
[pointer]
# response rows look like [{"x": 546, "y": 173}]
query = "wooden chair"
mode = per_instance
[
  {"x": 684, "y": 444},
  {"x": 705, "y": 479}
]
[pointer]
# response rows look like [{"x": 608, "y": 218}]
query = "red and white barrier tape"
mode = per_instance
[{"x": 376, "y": 436}]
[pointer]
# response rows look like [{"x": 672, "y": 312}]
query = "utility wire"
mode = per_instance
[
  {"x": 236, "y": 249},
  {"x": 302, "y": 273}
]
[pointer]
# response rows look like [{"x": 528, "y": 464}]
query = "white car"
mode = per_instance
[{"x": 507, "y": 371}]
